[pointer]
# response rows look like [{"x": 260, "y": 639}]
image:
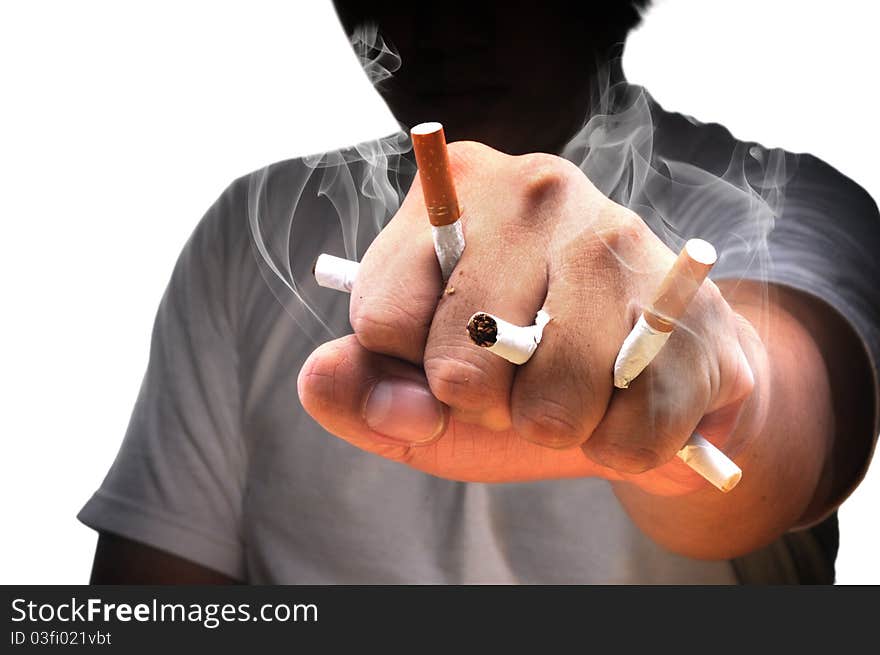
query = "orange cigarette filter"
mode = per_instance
[
  {"x": 432, "y": 158},
  {"x": 681, "y": 285}
]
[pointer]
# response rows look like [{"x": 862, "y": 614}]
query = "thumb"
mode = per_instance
[{"x": 377, "y": 403}]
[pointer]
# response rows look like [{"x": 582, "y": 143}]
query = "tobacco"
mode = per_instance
[{"x": 483, "y": 330}]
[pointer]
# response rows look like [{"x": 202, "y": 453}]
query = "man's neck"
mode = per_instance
[{"x": 552, "y": 131}]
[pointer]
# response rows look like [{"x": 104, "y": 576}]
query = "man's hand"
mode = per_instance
[
  {"x": 754, "y": 376},
  {"x": 538, "y": 235}
]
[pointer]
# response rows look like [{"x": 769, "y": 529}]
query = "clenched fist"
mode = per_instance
[{"x": 409, "y": 385}]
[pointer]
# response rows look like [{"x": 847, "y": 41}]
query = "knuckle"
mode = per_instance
[
  {"x": 386, "y": 326},
  {"x": 622, "y": 232},
  {"x": 631, "y": 229},
  {"x": 459, "y": 384},
  {"x": 625, "y": 457},
  {"x": 648, "y": 437},
  {"x": 544, "y": 178},
  {"x": 373, "y": 325},
  {"x": 590, "y": 261},
  {"x": 608, "y": 254},
  {"x": 547, "y": 422}
]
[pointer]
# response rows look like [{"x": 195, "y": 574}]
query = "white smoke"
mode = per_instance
[{"x": 734, "y": 208}]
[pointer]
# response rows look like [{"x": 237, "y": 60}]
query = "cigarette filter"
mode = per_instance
[
  {"x": 514, "y": 343},
  {"x": 441, "y": 201}
]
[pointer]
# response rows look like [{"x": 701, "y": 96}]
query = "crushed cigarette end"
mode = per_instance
[{"x": 483, "y": 330}]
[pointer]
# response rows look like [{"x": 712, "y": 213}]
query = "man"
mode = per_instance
[{"x": 466, "y": 469}]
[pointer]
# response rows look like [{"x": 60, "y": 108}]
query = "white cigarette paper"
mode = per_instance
[
  {"x": 711, "y": 463},
  {"x": 514, "y": 343},
  {"x": 448, "y": 244},
  {"x": 335, "y": 272},
  {"x": 637, "y": 351}
]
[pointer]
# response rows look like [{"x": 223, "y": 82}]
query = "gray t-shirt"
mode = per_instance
[{"x": 221, "y": 466}]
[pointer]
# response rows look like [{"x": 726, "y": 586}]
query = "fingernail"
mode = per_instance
[{"x": 404, "y": 410}]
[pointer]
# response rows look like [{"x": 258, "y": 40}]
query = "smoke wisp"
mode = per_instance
[{"x": 730, "y": 197}]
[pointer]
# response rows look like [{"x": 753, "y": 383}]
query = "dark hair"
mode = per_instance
[{"x": 605, "y": 23}]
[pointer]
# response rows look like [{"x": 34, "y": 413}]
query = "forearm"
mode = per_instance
[
  {"x": 787, "y": 426},
  {"x": 122, "y": 561}
]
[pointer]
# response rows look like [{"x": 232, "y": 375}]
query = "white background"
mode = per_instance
[{"x": 121, "y": 122}]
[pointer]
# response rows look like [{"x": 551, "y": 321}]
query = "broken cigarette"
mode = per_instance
[
  {"x": 335, "y": 272},
  {"x": 441, "y": 201},
  {"x": 713, "y": 465},
  {"x": 517, "y": 344},
  {"x": 657, "y": 321},
  {"x": 514, "y": 343},
  {"x": 650, "y": 334}
]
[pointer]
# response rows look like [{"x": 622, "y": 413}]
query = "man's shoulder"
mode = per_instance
[
  {"x": 368, "y": 159},
  {"x": 709, "y": 145},
  {"x": 311, "y": 194},
  {"x": 713, "y": 147},
  {"x": 258, "y": 241}
]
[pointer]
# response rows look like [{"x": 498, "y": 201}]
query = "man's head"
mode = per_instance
[{"x": 514, "y": 75}]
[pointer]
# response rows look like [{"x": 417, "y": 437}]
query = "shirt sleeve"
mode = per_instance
[{"x": 178, "y": 480}]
